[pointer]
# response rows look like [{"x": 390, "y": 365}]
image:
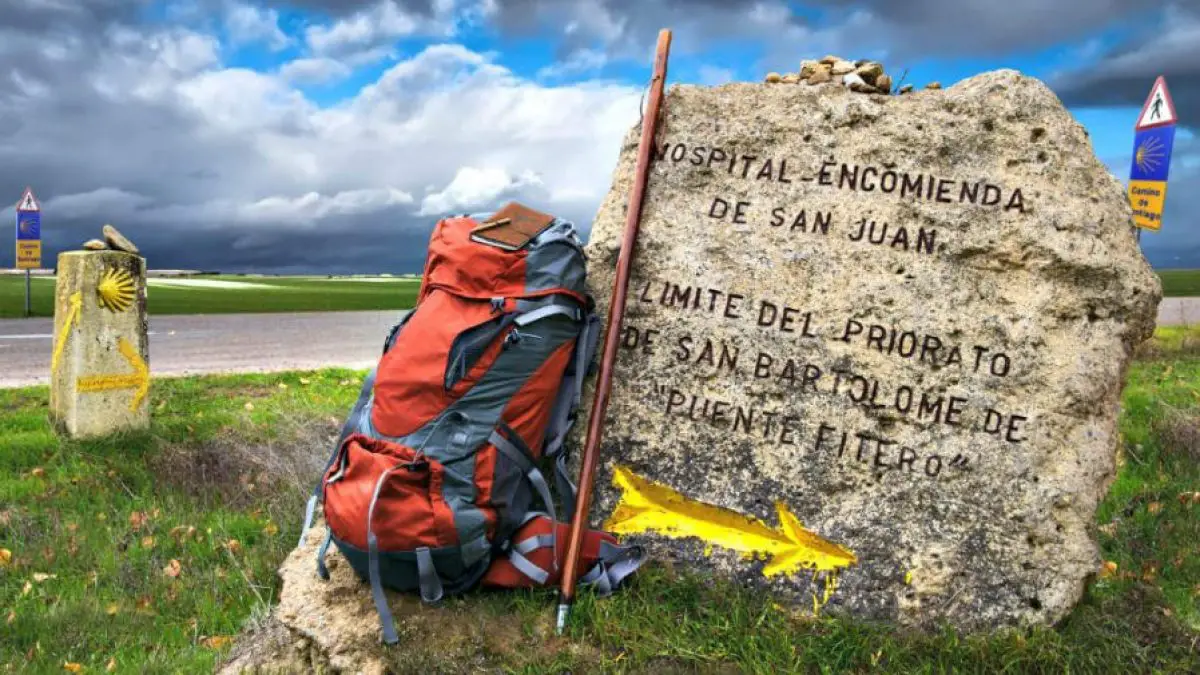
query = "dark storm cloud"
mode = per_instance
[
  {"x": 987, "y": 27},
  {"x": 1123, "y": 76},
  {"x": 344, "y": 7},
  {"x": 907, "y": 30}
]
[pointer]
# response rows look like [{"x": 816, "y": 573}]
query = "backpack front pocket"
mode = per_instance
[{"x": 394, "y": 488}]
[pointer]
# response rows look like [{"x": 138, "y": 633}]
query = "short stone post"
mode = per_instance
[{"x": 100, "y": 369}]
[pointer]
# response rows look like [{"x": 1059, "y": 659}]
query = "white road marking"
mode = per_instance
[
  {"x": 208, "y": 283},
  {"x": 46, "y": 336}
]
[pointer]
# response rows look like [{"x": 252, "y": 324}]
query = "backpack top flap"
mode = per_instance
[{"x": 552, "y": 262}]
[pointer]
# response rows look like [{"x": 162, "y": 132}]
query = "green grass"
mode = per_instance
[
  {"x": 82, "y": 511},
  {"x": 1180, "y": 283},
  {"x": 287, "y": 294}
]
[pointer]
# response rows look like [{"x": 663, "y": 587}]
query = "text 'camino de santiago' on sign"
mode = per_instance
[
  {"x": 29, "y": 232},
  {"x": 897, "y": 326},
  {"x": 1154, "y": 135}
]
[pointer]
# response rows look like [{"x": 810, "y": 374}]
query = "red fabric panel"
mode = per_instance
[
  {"x": 502, "y": 574},
  {"x": 469, "y": 268},
  {"x": 409, "y": 513},
  {"x": 410, "y": 381},
  {"x": 528, "y": 411}
]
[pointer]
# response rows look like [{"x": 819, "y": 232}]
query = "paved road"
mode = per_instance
[
  {"x": 189, "y": 345},
  {"x": 1179, "y": 311}
]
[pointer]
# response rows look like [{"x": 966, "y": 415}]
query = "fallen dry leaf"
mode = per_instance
[
  {"x": 283, "y": 385},
  {"x": 1154, "y": 507},
  {"x": 216, "y": 641},
  {"x": 138, "y": 520},
  {"x": 112, "y": 609},
  {"x": 5, "y": 557},
  {"x": 42, "y": 576},
  {"x": 1109, "y": 529},
  {"x": 144, "y": 602},
  {"x": 248, "y": 406},
  {"x": 305, "y": 381},
  {"x": 1108, "y": 569},
  {"x": 173, "y": 568},
  {"x": 37, "y": 472},
  {"x": 72, "y": 527},
  {"x": 12, "y": 616},
  {"x": 234, "y": 546},
  {"x": 72, "y": 667},
  {"x": 1150, "y": 571},
  {"x": 270, "y": 529},
  {"x": 147, "y": 542},
  {"x": 26, "y": 588},
  {"x": 112, "y": 665}
]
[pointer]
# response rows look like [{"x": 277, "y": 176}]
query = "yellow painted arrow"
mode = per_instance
[
  {"x": 139, "y": 378},
  {"x": 76, "y": 302},
  {"x": 650, "y": 507}
]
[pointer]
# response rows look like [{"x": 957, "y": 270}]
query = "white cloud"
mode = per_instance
[
  {"x": 712, "y": 75},
  {"x": 314, "y": 70},
  {"x": 381, "y": 23},
  {"x": 474, "y": 188},
  {"x": 582, "y": 61},
  {"x": 216, "y": 167},
  {"x": 248, "y": 24},
  {"x": 313, "y": 206}
]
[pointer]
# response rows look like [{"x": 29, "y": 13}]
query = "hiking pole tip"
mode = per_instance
[{"x": 563, "y": 610}]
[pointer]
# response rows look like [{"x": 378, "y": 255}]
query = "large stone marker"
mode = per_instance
[
  {"x": 100, "y": 372},
  {"x": 874, "y": 346}
]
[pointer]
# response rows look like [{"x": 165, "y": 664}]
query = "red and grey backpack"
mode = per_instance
[{"x": 434, "y": 484}]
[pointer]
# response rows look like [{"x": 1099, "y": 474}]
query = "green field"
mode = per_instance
[
  {"x": 153, "y": 552},
  {"x": 305, "y": 294},
  {"x": 267, "y": 294},
  {"x": 1180, "y": 283}
]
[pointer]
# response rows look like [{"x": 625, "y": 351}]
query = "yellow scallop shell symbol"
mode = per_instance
[{"x": 116, "y": 290}]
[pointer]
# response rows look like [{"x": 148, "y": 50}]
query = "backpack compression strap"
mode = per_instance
[
  {"x": 611, "y": 562},
  {"x": 566, "y": 409},
  {"x": 347, "y": 428}
]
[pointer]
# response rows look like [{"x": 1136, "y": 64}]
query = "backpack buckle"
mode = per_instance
[
  {"x": 418, "y": 463},
  {"x": 497, "y": 305}
]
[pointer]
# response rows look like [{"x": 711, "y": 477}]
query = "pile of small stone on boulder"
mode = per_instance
[
  {"x": 864, "y": 77},
  {"x": 113, "y": 241}
]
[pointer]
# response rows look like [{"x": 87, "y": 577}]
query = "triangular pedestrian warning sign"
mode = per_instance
[
  {"x": 27, "y": 202},
  {"x": 1159, "y": 110}
]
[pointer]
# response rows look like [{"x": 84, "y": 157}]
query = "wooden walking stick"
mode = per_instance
[{"x": 616, "y": 312}]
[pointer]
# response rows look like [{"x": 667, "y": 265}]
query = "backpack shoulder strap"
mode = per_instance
[{"x": 566, "y": 408}]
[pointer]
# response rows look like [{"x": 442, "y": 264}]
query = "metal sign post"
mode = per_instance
[
  {"x": 29, "y": 240},
  {"x": 1154, "y": 134}
]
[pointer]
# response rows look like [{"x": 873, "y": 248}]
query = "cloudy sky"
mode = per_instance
[{"x": 328, "y": 135}]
